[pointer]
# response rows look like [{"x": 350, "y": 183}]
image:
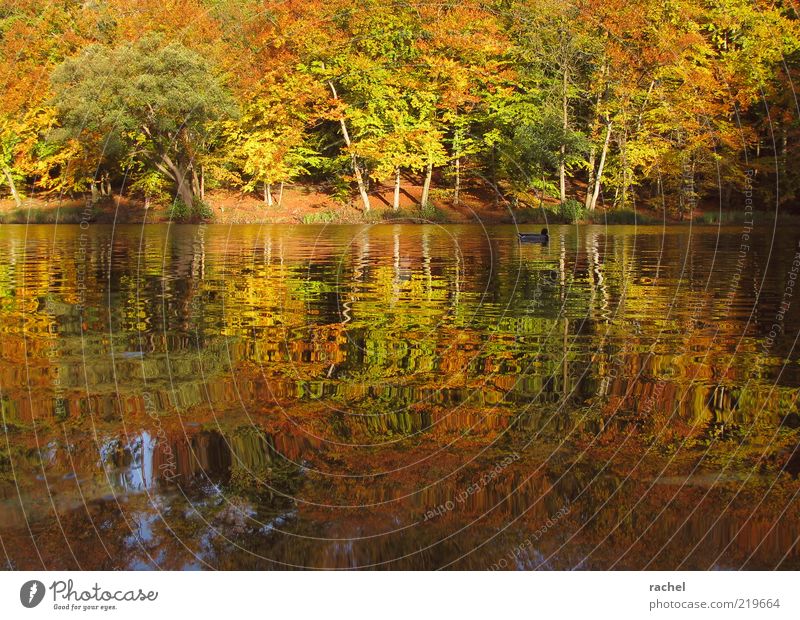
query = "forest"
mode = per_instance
[{"x": 572, "y": 104}]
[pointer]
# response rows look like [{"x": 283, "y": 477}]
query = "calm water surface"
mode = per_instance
[{"x": 398, "y": 396}]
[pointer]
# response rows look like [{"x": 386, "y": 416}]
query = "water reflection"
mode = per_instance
[{"x": 257, "y": 397}]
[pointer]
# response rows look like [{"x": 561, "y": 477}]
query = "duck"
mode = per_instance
[{"x": 542, "y": 237}]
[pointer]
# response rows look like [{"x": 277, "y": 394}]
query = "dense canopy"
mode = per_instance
[{"x": 588, "y": 102}]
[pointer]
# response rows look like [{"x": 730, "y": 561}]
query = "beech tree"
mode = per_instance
[{"x": 270, "y": 143}]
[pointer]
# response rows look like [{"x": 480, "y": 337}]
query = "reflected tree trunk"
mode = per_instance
[
  {"x": 426, "y": 262},
  {"x": 565, "y": 376},
  {"x": 396, "y": 266}
]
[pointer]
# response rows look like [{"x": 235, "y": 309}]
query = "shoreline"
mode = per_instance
[{"x": 308, "y": 205}]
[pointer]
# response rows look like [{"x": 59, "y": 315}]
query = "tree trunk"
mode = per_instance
[
  {"x": 493, "y": 171},
  {"x": 396, "y": 204},
  {"x": 183, "y": 185},
  {"x": 426, "y": 186},
  {"x": 202, "y": 182},
  {"x": 362, "y": 188},
  {"x": 280, "y": 195},
  {"x": 590, "y": 179},
  {"x": 185, "y": 192},
  {"x": 599, "y": 176},
  {"x": 457, "y": 189},
  {"x": 268, "y": 193},
  {"x": 624, "y": 136},
  {"x": 195, "y": 182},
  {"x": 562, "y": 173},
  {"x": 457, "y": 166},
  {"x": 593, "y": 150},
  {"x": 691, "y": 193},
  {"x": 179, "y": 174},
  {"x": 12, "y": 187},
  {"x": 644, "y": 105},
  {"x": 541, "y": 192}
]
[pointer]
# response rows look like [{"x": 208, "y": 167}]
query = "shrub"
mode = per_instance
[
  {"x": 201, "y": 209},
  {"x": 441, "y": 193},
  {"x": 429, "y": 212},
  {"x": 572, "y": 211},
  {"x": 178, "y": 211},
  {"x": 706, "y": 218},
  {"x": 322, "y": 217},
  {"x": 373, "y": 216}
]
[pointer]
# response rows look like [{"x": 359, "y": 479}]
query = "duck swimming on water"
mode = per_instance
[{"x": 542, "y": 237}]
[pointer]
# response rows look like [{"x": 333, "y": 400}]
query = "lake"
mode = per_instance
[{"x": 398, "y": 396}]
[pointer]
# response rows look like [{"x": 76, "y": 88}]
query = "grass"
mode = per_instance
[
  {"x": 622, "y": 217},
  {"x": 535, "y": 216},
  {"x": 550, "y": 214},
  {"x": 715, "y": 217},
  {"x": 322, "y": 217},
  {"x": 739, "y": 217},
  {"x": 430, "y": 213},
  {"x": 555, "y": 215},
  {"x": 64, "y": 215}
]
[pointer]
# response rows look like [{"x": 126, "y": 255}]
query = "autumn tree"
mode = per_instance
[
  {"x": 152, "y": 98},
  {"x": 639, "y": 102},
  {"x": 465, "y": 63},
  {"x": 270, "y": 141}
]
